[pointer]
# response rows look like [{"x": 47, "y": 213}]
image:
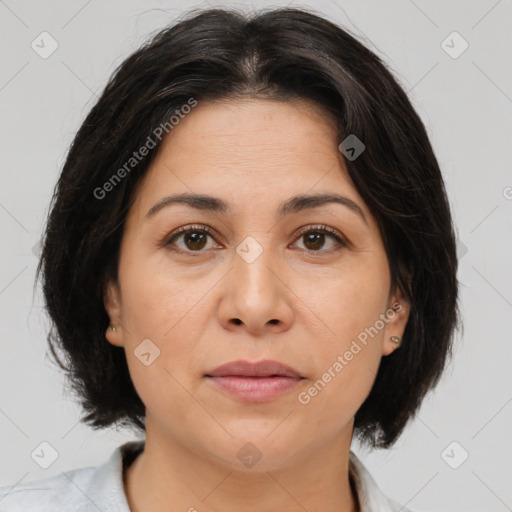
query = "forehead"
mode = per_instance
[
  {"x": 250, "y": 151},
  {"x": 255, "y": 124}
]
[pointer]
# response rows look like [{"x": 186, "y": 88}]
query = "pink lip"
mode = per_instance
[
  {"x": 265, "y": 368},
  {"x": 256, "y": 389},
  {"x": 255, "y": 382}
]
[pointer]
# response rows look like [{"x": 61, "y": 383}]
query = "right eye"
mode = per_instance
[{"x": 194, "y": 238}]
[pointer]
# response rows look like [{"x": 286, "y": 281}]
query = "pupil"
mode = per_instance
[
  {"x": 312, "y": 236},
  {"x": 196, "y": 238}
]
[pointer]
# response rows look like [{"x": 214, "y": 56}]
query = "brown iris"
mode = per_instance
[
  {"x": 317, "y": 240},
  {"x": 195, "y": 240}
]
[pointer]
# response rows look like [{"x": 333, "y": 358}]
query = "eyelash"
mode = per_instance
[{"x": 320, "y": 228}]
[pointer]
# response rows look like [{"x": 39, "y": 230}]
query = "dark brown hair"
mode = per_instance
[{"x": 278, "y": 54}]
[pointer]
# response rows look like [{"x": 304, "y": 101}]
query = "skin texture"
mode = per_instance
[{"x": 203, "y": 309}]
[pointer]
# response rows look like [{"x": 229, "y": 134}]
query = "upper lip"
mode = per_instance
[{"x": 265, "y": 368}]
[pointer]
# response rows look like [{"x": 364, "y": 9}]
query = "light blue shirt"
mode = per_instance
[{"x": 100, "y": 488}]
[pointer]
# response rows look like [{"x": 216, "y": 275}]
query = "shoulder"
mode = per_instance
[
  {"x": 59, "y": 492},
  {"x": 371, "y": 498},
  {"x": 80, "y": 490}
]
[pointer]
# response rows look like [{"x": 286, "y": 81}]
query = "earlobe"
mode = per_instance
[
  {"x": 112, "y": 303},
  {"x": 398, "y": 315}
]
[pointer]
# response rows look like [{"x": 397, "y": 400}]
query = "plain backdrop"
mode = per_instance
[{"x": 464, "y": 97}]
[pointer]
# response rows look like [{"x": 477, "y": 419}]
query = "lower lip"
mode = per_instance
[{"x": 256, "y": 389}]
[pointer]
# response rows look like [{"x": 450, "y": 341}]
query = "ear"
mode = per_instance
[
  {"x": 112, "y": 303},
  {"x": 398, "y": 315}
]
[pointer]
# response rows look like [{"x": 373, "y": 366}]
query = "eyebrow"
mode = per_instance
[{"x": 293, "y": 205}]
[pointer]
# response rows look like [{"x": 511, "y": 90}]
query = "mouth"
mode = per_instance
[
  {"x": 265, "y": 368},
  {"x": 255, "y": 382}
]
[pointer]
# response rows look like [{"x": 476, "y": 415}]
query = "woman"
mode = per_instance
[{"x": 250, "y": 259}]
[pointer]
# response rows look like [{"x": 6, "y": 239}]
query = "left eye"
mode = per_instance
[{"x": 315, "y": 238}]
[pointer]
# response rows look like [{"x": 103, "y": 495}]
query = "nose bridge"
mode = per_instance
[
  {"x": 252, "y": 273},
  {"x": 257, "y": 294}
]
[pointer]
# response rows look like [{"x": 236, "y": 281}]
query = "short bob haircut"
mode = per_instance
[{"x": 280, "y": 55}]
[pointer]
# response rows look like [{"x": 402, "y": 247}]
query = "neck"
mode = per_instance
[{"x": 167, "y": 477}]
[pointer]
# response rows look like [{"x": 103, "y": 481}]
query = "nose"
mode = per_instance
[{"x": 255, "y": 295}]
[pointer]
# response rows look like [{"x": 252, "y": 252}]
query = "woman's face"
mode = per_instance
[{"x": 265, "y": 283}]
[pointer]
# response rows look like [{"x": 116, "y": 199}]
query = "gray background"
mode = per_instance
[{"x": 465, "y": 103}]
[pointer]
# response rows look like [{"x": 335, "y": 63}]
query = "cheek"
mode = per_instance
[
  {"x": 159, "y": 348},
  {"x": 336, "y": 393},
  {"x": 169, "y": 310},
  {"x": 156, "y": 301},
  {"x": 348, "y": 300},
  {"x": 349, "y": 307}
]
